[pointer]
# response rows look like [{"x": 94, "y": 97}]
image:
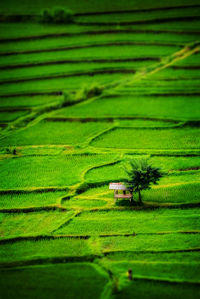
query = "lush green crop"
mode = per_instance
[
  {"x": 35, "y": 223},
  {"x": 70, "y": 69},
  {"x": 149, "y": 243},
  {"x": 149, "y": 139},
  {"x": 27, "y": 200},
  {"x": 118, "y": 51},
  {"x": 10, "y": 116},
  {"x": 27, "y": 101},
  {"x": 139, "y": 16},
  {"x": 102, "y": 35},
  {"x": 113, "y": 222},
  {"x": 57, "y": 161},
  {"x": 180, "y": 271},
  {"x": 170, "y": 107},
  {"x": 58, "y": 84},
  {"x": 27, "y": 250},
  {"x": 188, "y": 193},
  {"x": 63, "y": 133},
  {"x": 92, "y": 5},
  {"x": 64, "y": 281},
  {"x": 116, "y": 171},
  {"x": 154, "y": 289},
  {"x": 47, "y": 171}
]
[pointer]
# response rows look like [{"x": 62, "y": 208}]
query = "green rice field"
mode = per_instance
[{"x": 78, "y": 101}]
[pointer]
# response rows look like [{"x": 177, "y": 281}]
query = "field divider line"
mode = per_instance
[
  {"x": 78, "y": 61},
  {"x": 10, "y": 240},
  {"x": 41, "y": 238},
  {"x": 90, "y": 45},
  {"x": 112, "y": 252},
  {"x": 185, "y": 52},
  {"x": 29, "y": 190},
  {"x": 114, "y": 118},
  {"x": 33, "y": 209},
  {"x": 137, "y": 10},
  {"x": 49, "y": 260},
  {"x": 108, "y": 70},
  {"x": 139, "y": 22},
  {"x": 148, "y": 205},
  {"x": 148, "y": 151},
  {"x": 83, "y": 184},
  {"x": 66, "y": 222},
  {"x": 96, "y": 136},
  {"x": 175, "y": 184},
  {"x": 95, "y": 32},
  {"x": 165, "y": 280}
]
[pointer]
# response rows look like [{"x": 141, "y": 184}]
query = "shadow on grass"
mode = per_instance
[{"x": 126, "y": 203}]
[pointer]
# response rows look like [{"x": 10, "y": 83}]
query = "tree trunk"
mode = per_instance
[
  {"x": 139, "y": 197},
  {"x": 131, "y": 199}
]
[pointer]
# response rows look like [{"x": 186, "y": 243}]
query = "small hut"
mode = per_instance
[{"x": 120, "y": 191}]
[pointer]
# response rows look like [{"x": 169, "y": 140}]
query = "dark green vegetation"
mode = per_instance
[
  {"x": 77, "y": 102},
  {"x": 141, "y": 176}
]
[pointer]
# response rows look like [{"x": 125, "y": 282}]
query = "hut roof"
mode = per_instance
[{"x": 117, "y": 186}]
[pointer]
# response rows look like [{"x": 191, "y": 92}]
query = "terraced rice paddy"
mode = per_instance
[{"x": 62, "y": 235}]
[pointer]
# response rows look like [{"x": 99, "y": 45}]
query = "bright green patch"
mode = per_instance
[
  {"x": 127, "y": 222},
  {"x": 84, "y": 203},
  {"x": 169, "y": 107},
  {"x": 149, "y": 139},
  {"x": 169, "y": 242},
  {"x": 41, "y": 249},
  {"x": 22, "y": 224},
  {"x": 46, "y": 171},
  {"x": 27, "y": 200}
]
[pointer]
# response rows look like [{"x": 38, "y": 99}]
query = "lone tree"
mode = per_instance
[{"x": 141, "y": 175}]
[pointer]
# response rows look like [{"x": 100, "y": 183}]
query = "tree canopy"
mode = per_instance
[{"x": 141, "y": 175}]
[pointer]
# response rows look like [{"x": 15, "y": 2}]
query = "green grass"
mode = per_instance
[
  {"x": 169, "y": 242},
  {"x": 113, "y": 222},
  {"x": 24, "y": 101},
  {"x": 154, "y": 289},
  {"x": 175, "y": 163},
  {"x": 145, "y": 123},
  {"x": 57, "y": 84},
  {"x": 188, "y": 193},
  {"x": 30, "y": 250},
  {"x": 64, "y": 133},
  {"x": 23, "y": 29},
  {"x": 150, "y": 257},
  {"x": 180, "y": 26},
  {"x": 180, "y": 271},
  {"x": 45, "y": 171},
  {"x": 176, "y": 74},
  {"x": 84, "y": 203},
  {"x": 149, "y": 139},
  {"x": 51, "y": 281},
  {"x": 116, "y": 171},
  {"x": 140, "y": 16},
  {"x": 23, "y": 224},
  {"x": 10, "y": 116},
  {"x": 171, "y": 107},
  {"x": 112, "y": 51},
  {"x": 26, "y": 200},
  {"x": 99, "y": 37},
  {"x": 158, "y": 87},
  {"x": 92, "y": 5},
  {"x": 69, "y": 68},
  {"x": 149, "y": 116},
  {"x": 193, "y": 60}
]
